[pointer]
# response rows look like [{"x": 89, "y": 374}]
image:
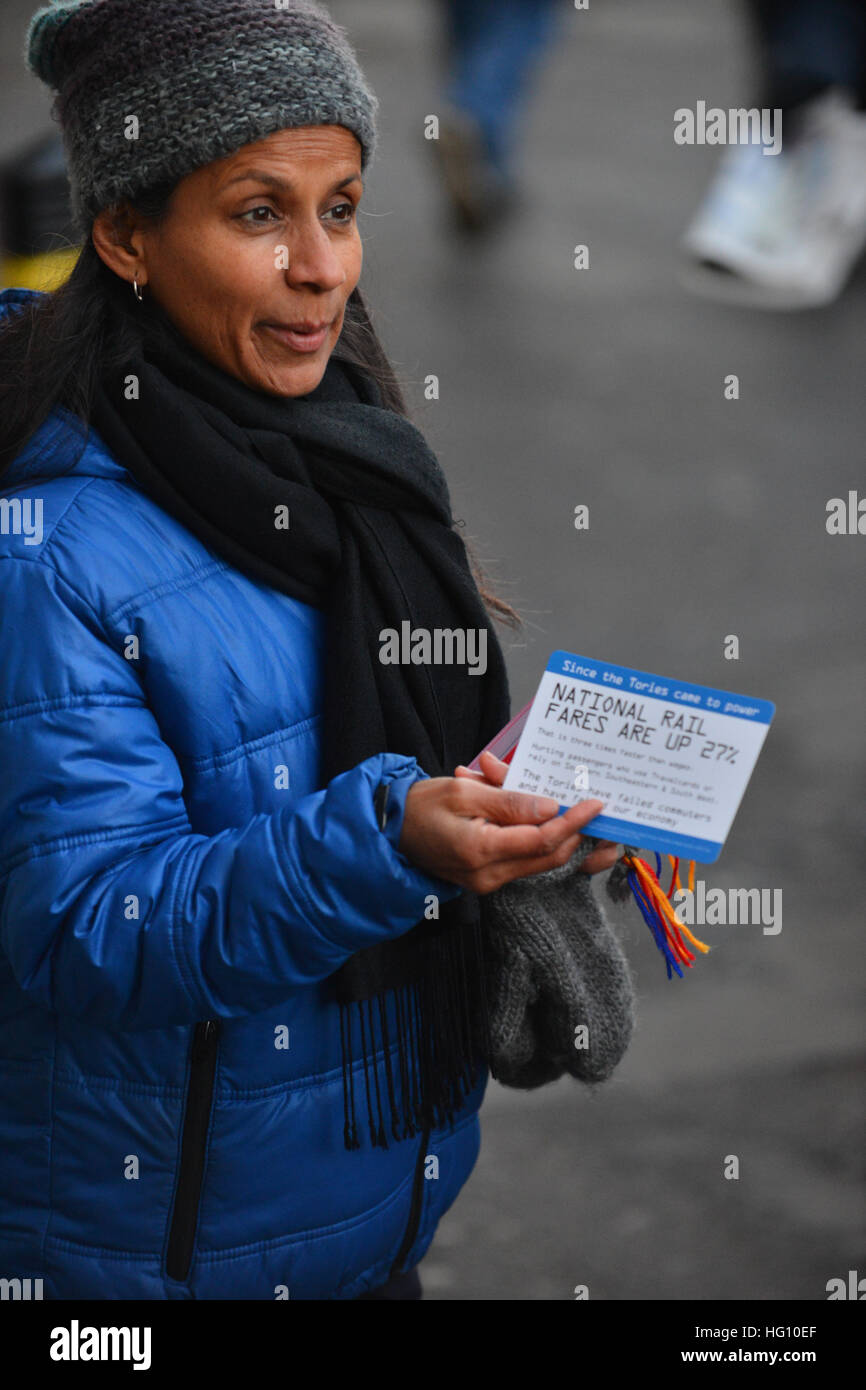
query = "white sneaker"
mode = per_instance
[{"x": 785, "y": 231}]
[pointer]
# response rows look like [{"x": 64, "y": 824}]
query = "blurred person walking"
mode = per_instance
[
  {"x": 785, "y": 231},
  {"x": 493, "y": 47}
]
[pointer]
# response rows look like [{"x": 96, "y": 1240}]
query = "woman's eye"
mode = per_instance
[
  {"x": 251, "y": 211},
  {"x": 348, "y": 209}
]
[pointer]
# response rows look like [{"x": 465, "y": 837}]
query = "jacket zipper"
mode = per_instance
[
  {"x": 196, "y": 1121},
  {"x": 415, "y": 1210}
]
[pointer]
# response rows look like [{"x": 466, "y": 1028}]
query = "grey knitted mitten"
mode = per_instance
[{"x": 553, "y": 964}]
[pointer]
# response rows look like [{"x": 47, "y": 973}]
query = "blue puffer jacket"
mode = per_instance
[{"x": 172, "y": 1100}]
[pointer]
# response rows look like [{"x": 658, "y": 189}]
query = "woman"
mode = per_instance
[{"x": 238, "y": 892}]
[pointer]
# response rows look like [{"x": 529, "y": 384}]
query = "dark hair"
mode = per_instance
[{"x": 53, "y": 350}]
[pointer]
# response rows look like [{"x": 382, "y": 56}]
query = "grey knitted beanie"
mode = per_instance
[
  {"x": 202, "y": 78},
  {"x": 559, "y": 990}
]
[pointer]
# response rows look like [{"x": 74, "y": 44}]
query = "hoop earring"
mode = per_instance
[{"x": 137, "y": 288}]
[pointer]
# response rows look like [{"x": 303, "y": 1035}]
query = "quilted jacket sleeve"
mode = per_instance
[{"x": 111, "y": 908}]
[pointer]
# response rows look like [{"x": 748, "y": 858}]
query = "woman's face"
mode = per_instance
[{"x": 259, "y": 254}]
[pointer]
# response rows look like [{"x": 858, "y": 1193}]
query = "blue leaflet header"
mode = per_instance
[{"x": 629, "y": 681}]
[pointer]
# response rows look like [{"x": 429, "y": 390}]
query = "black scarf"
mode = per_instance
[{"x": 370, "y": 541}]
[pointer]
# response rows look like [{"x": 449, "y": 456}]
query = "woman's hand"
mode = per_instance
[
  {"x": 473, "y": 832},
  {"x": 493, "y": 772}
]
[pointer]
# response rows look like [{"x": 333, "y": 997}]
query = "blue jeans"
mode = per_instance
[{"x": 493, "y": 46}]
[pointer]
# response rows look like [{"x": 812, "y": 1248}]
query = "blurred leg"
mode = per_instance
[
  {"x": 786, "y": 232},
  {"x": 463, "y": 19},
  {"x": 495, "y": 44},
  {"x": 807, "y": 46}
]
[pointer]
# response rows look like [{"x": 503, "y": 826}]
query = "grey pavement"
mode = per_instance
[{"x": 605, "y": 386}]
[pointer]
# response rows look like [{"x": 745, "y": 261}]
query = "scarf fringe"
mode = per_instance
[{"x": 442, "y": 1038}]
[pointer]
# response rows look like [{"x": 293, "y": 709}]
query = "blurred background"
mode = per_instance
[{"x": 605, "y": 386}]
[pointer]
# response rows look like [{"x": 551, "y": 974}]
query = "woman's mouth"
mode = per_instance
[{"x": 300, "y": 337}]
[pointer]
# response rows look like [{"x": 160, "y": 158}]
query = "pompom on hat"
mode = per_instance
[{"x": 202, "y": 78}]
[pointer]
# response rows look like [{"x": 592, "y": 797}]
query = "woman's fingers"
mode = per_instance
[
  {"x": 471, "y": 797},
  {"x": 499, "y": 838},
  {"x": 604, "y": 857},
  {"x": 521, "y": 866},
  {"x": 517, "y": 825},
  {"x": 471, "y": 832},
  {"x": 493, "y": 770},
  {"x": 529, "y": 865}
]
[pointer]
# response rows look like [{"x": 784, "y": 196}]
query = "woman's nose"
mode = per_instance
[{"x": 313, "y": 258}]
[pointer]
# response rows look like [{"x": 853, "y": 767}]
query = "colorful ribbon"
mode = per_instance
[{"x": 667, "y": 929}]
